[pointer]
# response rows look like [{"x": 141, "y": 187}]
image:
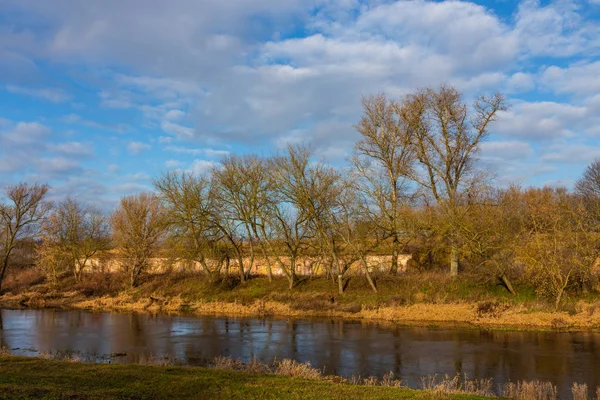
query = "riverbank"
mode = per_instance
[
  {"x": 423, "y": 299},
  {"x": 24, "y": 378}
]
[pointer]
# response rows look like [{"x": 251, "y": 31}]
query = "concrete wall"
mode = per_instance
[{"x": 304, "y": 265}]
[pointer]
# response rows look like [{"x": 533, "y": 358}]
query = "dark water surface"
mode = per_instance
[{"x": 342, "y": 348}]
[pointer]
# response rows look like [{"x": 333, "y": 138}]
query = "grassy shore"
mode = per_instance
[
  {"x": 29, "y": 378},
  {"x": 413, "y": 299}
]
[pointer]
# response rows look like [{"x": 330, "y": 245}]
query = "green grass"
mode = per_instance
[
  {"x": 319, "y": 293},
  {"x": 31, "y": 378},
  {"x": 310, "y": 294}
]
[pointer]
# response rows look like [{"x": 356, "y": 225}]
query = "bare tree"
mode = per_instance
[
  {"x": 21, "y": 213},
  {"x": 285, "y": 226},
  {"x": 315, "y": 189},
  {"x": 588, "y": 188},
  {"x": 358, "y": 234},
  {"x": 189, "y": 215},
  {"x": 384, "y": 159},
  {"x": 492, "y": 232},
  {"x": 559, "y": 245},
  {"x": 447, "y": 135},
  {"x": 138, "y": 226},
  {"x": 74, "y": 234},
  {"x": 226, "y": 219},
  {"x": 589, "y": 184},
  {"x": 243, "y": 192}
]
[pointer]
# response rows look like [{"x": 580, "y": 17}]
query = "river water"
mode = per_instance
[{"x": 340, "y": 347}]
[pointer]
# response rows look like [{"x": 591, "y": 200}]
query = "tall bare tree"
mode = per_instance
[
  {"x": 74, "y": 233},
  {"x": 190, "y": 210},
  {"x": 447, "y": 134},
  {"x": 244, "y": 185},
  {"x": 21, "y": 212},
  {"x": 315, "y": 188},
  {"x": 138, "y": 226},
  {"x": 358, "y": 234},
  {"x": 384, "y": 160},
  {"x": 285, "y": 226}
]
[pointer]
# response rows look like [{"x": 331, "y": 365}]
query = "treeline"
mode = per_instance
[{"x": 411, "y": 184}]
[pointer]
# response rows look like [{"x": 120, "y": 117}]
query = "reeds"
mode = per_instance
[
  {"x": 534, "y": 390},
  {"x": 459, "y": 384}
]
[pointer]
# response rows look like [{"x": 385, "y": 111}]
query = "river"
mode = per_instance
[{"x": 340, "y": 347}]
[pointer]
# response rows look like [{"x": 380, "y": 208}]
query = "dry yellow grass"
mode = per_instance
[
  {"x": 587, "y": 317},
  {"x": 412, "y": 300}
]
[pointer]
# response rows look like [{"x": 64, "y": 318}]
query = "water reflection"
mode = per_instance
[{"x": 343, "y": 348}]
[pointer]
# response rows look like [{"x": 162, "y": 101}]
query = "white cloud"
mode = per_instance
[
  {"x": 174, "y": 115},
  {"x": 26, "y": 133},
  {"x": 179, "y": 131},
  {"x": 506, "y": 150},
  {"x": 75, "y": 149},
  {"x": 54, "y": 95},
  {"x": 172, "y": 163},
  {"x": 124, "y": 189},
  {"x": 215, "y": 153},
  {"x": 136, "y": 148},
  {"x": 555, "y": 29},
  {"x": 541, "y": 121},
  {"x": 184, "y": 150},
  {"x": 578, "y": 78},
  {"x": 120, "y": 99},
  {"x": 57, "y": 165},
  {"x": 520, "y": 82},
  {"x": 77, "y": 119},
  {"x": 209, "y": 75},
  {"x": 201, "y": 167},
  {"x": 573, "y": 153},
  {"x": 195, "y": 151}
]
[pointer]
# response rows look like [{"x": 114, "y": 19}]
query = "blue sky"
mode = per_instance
[{"x": 99, "y": 97}]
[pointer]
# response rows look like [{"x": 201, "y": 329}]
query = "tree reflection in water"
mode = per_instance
[{"x": 340, "y": 347}]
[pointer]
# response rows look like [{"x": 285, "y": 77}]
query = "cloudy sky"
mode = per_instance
[{"x": 98, "y": 97}]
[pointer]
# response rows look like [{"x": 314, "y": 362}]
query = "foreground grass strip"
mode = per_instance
[{"x": 29, "y": 378}]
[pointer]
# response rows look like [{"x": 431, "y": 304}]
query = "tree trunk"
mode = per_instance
[
  {"x": 251, "y": 262},
  {"x": 506, "y": 282},
  {"x": 558, "y": 299},
  {"x": 292, "y": 279},
  {"x": 340, "y": 271},
  {"x": 269, "y": 268},
  {"x": 363, "y": 261},
  {"x": 241, "y": 265},
  {"x": 340, "y": 279},
  {"x": 395, "y": 253},
  {"x": 453, "y": 261},
  {"x": 561, "y": 291},
  {"x": 292, "y": 275},
  {"x": 268, "y": 262},
  {"x": 4, "y": 266},
  {"x": 204, "y": 266}
]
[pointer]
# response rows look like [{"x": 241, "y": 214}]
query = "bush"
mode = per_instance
[{"x": 20, "y": 279}]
